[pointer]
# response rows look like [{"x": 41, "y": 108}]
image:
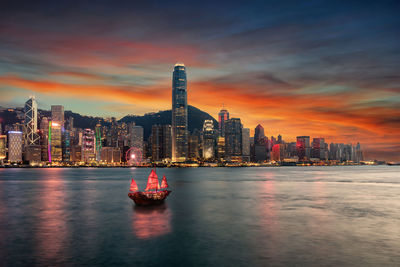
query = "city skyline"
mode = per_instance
[{"x": 296, "y": 73}]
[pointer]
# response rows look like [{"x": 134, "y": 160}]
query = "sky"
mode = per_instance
[{"x": 319, "y": 68}]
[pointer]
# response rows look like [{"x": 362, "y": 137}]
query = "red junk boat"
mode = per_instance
[{"x": 153, "y": 194}]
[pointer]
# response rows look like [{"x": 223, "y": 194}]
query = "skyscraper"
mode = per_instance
[
  {"x": 246, "y": 144},
  {"x": 223, "y": 116},
  {"x": 233, "y": 138},
  {"x": 55, "y": 132},
  {"x": 31, "y": 136},
  {"x": 179, "y": 114}
]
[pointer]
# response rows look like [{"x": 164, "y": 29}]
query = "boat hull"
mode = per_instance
[{"x": 149, "y": 198}]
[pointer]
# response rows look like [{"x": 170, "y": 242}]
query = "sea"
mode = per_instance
[{"x": 254, "y": 216}]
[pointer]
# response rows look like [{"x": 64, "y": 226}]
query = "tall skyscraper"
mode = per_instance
[
  {"x": 233, "y": 138},
  {"x": 15, "y": 146},
  {"x": 179, "y": 114},
  {"x": 31, "y": 137},
  {"x": 223, "y": 116},
  {"x": 55, "y": 132},
  {"x": 55, "y": 141}
]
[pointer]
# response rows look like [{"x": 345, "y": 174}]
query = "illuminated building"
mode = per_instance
[
  {"x": 66, "y": 146},
  {"x": 246, "y": 144},
  {"x": 303, "y": 147},
  {"x": 223, "y": 116},
  {"x": 110, "y": 155},
  {"x": 88, "y": 146},
  {"x": 98, "y": 142},
  {"x": 179, "y": 114},
  {"x": 56, "y": 127},
  {"x": 208, "y": 140},
  {"x": 3, "y": 145},
  {"x": 233, "y": 138},
  {"x": 55, "y": 141},
  {"x": 31, "y": 136},
  {"x": 278, "y": 152},
  {"x": 221, "y": 148},
  {"x": 15, "y": 141}
]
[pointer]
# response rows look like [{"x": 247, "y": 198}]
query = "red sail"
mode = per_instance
[
  {"x": 164, "y": 183},
  {"x": 152, "y": 182},
  {"x": 134, "y": 186}
]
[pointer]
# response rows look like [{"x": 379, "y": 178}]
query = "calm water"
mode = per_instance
[{"x": 305, "y": 216}]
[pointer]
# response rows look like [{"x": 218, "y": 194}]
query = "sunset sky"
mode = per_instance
[{"x": 320, "y": 68}]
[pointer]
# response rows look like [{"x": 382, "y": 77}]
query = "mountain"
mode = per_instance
[{"x": 196, "y": 118}]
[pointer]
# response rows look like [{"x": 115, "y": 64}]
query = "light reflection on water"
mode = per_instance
[
  {"x": 151, "y": 222},
  {"x": 319, "y": 216}
]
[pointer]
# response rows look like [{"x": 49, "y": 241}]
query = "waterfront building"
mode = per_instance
[
  {"x": 246, "y": 144},
  {"x": 223, "y": 116},
  {"x": 98, "y": 137},
  {"x": 44, "y": 138},
  {"x": 303, "y": 147},
  {"x": 194, "y": 152},
  {"x": 161, "y": 142},
  {"x": 136, "y": 137},
  {"x": 179, "y": 114},
  {"x": 88, "y": 146},
  {"x": 318, "y": 148},
  {"x": 233, "y": 138},
  {"x": 110, "y": 155},
  {"x": 55, "y": 141},
  {"x": 15, "y": 141},
  {"x": 208, "y": 140},
  {"x": 66, "y": 146},
  {"x": 76, "y": 153},
  {"x": 259, "y": 149},
  {"x": 33, "y": 154},
  {"x": 3, "y": 146},
  {"x": 278, "y": 152},
  {"x": 31, "y": 137},
  {"x": 221, "y": 148}
]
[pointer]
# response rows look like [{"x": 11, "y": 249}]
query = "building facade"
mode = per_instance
[
  {"x": 179, "y": 114},
  {"x": 15, "y": 141}
]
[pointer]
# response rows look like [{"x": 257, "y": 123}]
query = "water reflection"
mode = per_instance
[
  {"x": 269, "y": 216},
  {"x": 52, "y": 228},
  {"x": 150, "y": 222}
]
